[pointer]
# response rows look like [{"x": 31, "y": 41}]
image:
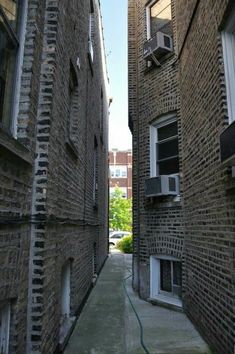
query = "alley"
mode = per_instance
[{"x": 108, "y": 323}]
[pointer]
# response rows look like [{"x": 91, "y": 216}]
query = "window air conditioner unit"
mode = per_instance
[
  {"x": 162, "y": 185},
  {"x": 158, "y": 46}
]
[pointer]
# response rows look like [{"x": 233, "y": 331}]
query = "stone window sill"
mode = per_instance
[
  {"x": 166, "y": 301},
  {"x": 13, "y": 146}
]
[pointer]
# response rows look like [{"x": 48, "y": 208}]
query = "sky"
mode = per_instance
[{"x": 114, "y": 13}]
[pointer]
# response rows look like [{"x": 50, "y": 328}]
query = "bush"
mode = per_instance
[{"x": 126, "y": 244}]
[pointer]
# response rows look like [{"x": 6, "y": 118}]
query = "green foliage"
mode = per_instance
[
  {"x": 126, "y": 244},
  {"x": 120, "y": 212}
]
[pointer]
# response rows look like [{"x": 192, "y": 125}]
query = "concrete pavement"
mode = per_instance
[{"x": 109, "y": 325}]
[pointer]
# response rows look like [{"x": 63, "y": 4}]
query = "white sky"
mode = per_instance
[{"x": 114, "y": 14}]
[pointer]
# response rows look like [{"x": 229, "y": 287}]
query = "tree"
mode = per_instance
[{"x": 120, "y": 211}]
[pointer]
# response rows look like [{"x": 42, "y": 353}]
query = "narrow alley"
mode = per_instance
[{"x": 108, "y": 323}]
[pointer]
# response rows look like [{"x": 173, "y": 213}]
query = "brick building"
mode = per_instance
[
  {"x": 120, "y": 171},
  {"x": 53, "y": 168},
  {"x": 181, "y": 113}
]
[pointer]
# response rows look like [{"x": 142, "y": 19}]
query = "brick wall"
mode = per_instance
[
  {"x": 200, "y": 228},
  {"x": 208, "y": 186},
  {"x": 47, "y": 206},
  {"x": 152, "y": 92}
]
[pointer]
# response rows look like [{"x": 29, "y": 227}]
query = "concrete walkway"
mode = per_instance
[{"x": 108, "y": 325}]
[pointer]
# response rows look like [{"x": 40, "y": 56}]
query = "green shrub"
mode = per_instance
[{"x": 126, "y": 244}]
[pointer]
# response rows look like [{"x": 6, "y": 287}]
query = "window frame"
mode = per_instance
[
  {"x": 95, "y": 174},
  {"x": 91, "y": 30},
  {"x": 148, "y": 18},
  {"x": 155, "y": 280},
  {"x": 159, "y": 123},
  {"x": 19, "y": 44},
  {"x": 228, "y": 44}
]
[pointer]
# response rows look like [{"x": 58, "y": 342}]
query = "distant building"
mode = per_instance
[{"x": 120, "y": 171}]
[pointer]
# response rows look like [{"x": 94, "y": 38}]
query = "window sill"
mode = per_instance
[
  {"x": 167, "y": 301},
  {"x": 13, "y": 146},
  {"x": 72, "y": 148}
]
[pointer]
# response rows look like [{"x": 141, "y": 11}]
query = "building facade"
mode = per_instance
[
  {"x": 181, "y": 113},
  {"x": 120, "y": 172},
  {"x": 53, "y": 168}
]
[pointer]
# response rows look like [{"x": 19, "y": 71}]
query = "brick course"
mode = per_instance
[
  {"x": 46, "y": 196},
  {"x": 200, "y": 228}
]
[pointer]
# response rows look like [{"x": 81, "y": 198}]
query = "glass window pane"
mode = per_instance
[
  {"x": 167, "y": 131},
  {"x": 165, "y": 270},
  {"x": 161, "y": 17},
  {"x": 7, "y": 71},
  {"x": 169, "y": 167},
  {"x": 168, "y": 149},
  {"x": 177, "y": 273},
  {"x": 10, "y": 8}
]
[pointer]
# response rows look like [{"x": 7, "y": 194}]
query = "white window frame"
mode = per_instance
[
  {"x": 155, "y": 281},
  {"x": 148, "y": 18},
  {"x": 19, "y": 68},
  {"x": 121, "y": 169},
  {"x": 228, "y": 43},
  {"x": 5, "y": 314},
  {"x": 65, "y": 290},
  {"x": 161, "y": 122}
]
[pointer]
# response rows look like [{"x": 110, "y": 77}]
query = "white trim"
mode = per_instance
[
  {"x": 228, "y": 42},
  {"x": 155, "y": 279},
  {"x": 148, "y": 22},
  {"x": 19, "y": 68},
  {"x": 65, "y": 289}
]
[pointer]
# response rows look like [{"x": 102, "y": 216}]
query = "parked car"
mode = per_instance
[{"x": 116, "y": 236}]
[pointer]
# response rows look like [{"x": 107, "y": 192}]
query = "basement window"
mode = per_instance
[
  {"x": 4, "y": 327},
  {"x": 228, "y": 42},
  {"x": 159, "y": 18},
  {"x": 66, "y": 320},
  {"x": 166, "y": 279}
]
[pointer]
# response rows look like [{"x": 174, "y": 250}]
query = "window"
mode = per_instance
[
  {"x": 228, "y": 41},
  {"x": 159, "y": 18},
  {"x": 73, "y": 104},
  {"x": 91, "y": 32},
  {"x": 164, "y": 152},
  {"x": 95, "y": 174},
  {"x": 118, "y": 171},
  {"x": 65, "y": 291},
  {"x": 101, "y": 115},
  {"x": 4, "y": 327},
  {"x": 166, "y": 279},
  {"x": 9, "y": 48}
]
